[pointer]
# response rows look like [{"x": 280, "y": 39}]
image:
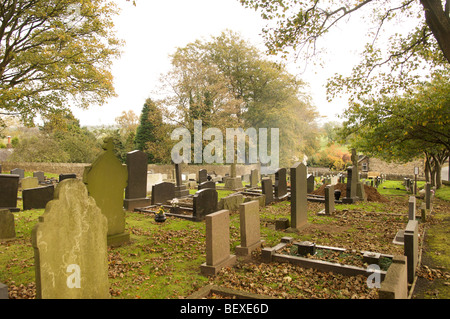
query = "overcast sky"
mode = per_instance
[{"x": 154, "y": 29}]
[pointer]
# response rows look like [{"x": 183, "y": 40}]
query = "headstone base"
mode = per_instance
[
  {"x": 246, "y": 251},
  {"x": 118, "y": 239},
  {"x": 212, "y": 270},
  {"x": 181, "y": 191},
  {"x": 131, "y": 204},
  {"x": 233, "y": 183}
]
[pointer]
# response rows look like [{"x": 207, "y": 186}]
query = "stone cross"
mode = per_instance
[
  {"x": 106, "y": 180},
  {"x": 70, "y": 251}
]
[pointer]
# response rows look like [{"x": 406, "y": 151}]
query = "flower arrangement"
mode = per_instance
[{"x": 160, "y": 211}]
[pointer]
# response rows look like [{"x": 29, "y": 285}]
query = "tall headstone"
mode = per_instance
[
  {"x": 329, "y": 200},
  {"x": 136, "y": 190},
  {"x": 204, "y": 203},
  {"x": 37, "y": 198},
  {"x": 299, "y": 200},
  {"x": 162, "y": 192},
  {"x": 350, "y": 197},
  {"x": 180, "y": 189},
  {"x": 106, "y": 180},
  {"x": 280, "y": 184},
  {"x": 70, "y": 251},
  {"x": 254, "y": 177},
  {"x": 7, "y": 226},
  {"x": 9, "y": 186},
  {"x": 412, "y": 208},
  {"x": 217, "y": 243},
  {"x": 267, "y": 189},
  {"x": 18, "y": 171},
  {"x": 428, "y": 196},
  {"x": 249, "y": 228},
  {"x": 411, "y": 248},
  {"x": 202, "y": 176}
]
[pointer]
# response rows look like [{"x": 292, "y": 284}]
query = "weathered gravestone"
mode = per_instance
[
  {"x": 249, "y": 228},
  {"x": 351, "y": 187},
  {"x": 29, "y": 182},
  {"x": 70, "y": 250},
  {"x": 360, "y": 192},
  {"x": 217, "y": 243},
  {"x": 412, "y": 208},
  {"x": 106, "y": 180},
  {"x": 40, "y": 176},
  {"x": 254, "y": 177},
  {"x": 205, "y": 202},
  {"x": 310, "y": 183},
  {"x": 7, "y": 226},
  {"x": 66, "y": 176},
  {"x": 136, "y": 190},
  {"x": 233, "y": 182},
  {"x": 299, "y": 200},
  {"x": 411, "y": 248},
  {"x": 18, "y": 171},
  {"x": 207, "y": 184},
  {"x": 9, "y": 186},
  {"x": 202, "y": 176},
  {"x": 37, "y": 198},
  {"x": 280, "y": 184},
  {"x": 162, "y": 192},
  {"x": 267, "y": 189}
]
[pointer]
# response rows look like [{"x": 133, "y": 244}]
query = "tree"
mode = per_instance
[
  {"x": 385, "y": 68},
  {"x": 55, "y": 52},
  {"x": 227, "y": 83}
]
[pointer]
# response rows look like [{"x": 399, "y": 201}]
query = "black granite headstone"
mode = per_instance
[{"x": 36, "y": 198}]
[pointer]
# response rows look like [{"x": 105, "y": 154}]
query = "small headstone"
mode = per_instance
[
  {"x": 9, "y": 186},
  {"x": 207, "y": 184},
  {"x": 162, "y": 192},
  {"x": 202, "y": 176},
  {"x": 106, "y": 180},
  {"x": 66, "y": 176},
  {"x": 205, "y": 202},
  {"x": 217, "y": 243},
  {"x": 40, "y": 176},
  {"x": 18, "y": 171},
  {"x": 29, "y": 182},
  {"x": 37, "y": 198},
  {"x": 310, "y": 183},
  {"x": 69, "y": 241},
  {"x": 329, "y": 200},
  {"x": 254, "y": 177},
  {"x": 280, "y": 184},
  {"x": 249, "y": 228},
  {"x": 267, "y": 189},
  {"x": 281, "y": 223},
  {"x": 7, "y": 226},
  {"x": 299, "y": 201}
]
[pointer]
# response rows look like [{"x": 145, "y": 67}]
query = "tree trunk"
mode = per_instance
[{"x": 438, "y": 20}]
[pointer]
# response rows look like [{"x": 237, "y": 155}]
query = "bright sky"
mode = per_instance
[{"x": 154, "y": 29}]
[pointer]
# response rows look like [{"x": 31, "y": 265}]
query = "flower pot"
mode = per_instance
[{"x": 160, "y": 218}]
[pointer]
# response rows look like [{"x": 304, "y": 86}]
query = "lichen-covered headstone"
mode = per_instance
[
  {"x": 7, "y": 226},
  {"x": 29, "y": 182},
  {"x": 70, "y": 251},
  {"x": 106, "y": 180}
]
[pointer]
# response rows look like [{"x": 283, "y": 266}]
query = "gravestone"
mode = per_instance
[
  {"x": 18, "y": 171},
  {"x": 7, "y": 226},
  {"x": 351, "y": 187},
  {"x": 207, "y": 184},
  {"x": 29, "y": 182},
  {"x": 9, "y": 186},
  {"x": 202, "y": 176},
  {"x": 254, "y": 177},
  {"x": 40, "y": 176},
  {"x": 136, "y": 190},
  {"x": 299, "y": 201},
  {"x": 249, "y": 228},
  {"x": 217, "y": 243},
  {"x": 70, "y": 251},
  {"x": 162, "y": 192},
  {"x": 106, "y": 180},
  {"x": 267, "y": 189},
  {"x": 412, "y": 208},
  {"x": 329, "y": 200},
  {"x": 233, "y": 182},
  {"x": 204, "y": 202},
  {"x": 66, "y": 176},
  {"x": 180, "y": 189},
  {"x": 411, "y": 248},
  {"x": 428, "y": 196},
  {"x": 37, "y": 198},
  {"x": 310, "y": 183},
  {"x": 360, "y": 192},
  {"x": 280, "y": 184}
]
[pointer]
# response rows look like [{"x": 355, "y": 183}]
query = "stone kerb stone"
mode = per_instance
[
  {"x": 217, "y": 243},
  {"x": 70, "y": 246},
  {"x": 249, "y": 228}
]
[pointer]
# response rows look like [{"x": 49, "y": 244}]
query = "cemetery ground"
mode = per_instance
[{"x": 163, "y": 259}]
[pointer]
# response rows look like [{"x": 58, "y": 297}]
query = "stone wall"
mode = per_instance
[
  {"x": 55, "y": 168},
  {"x": 396, "y": 171}
]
